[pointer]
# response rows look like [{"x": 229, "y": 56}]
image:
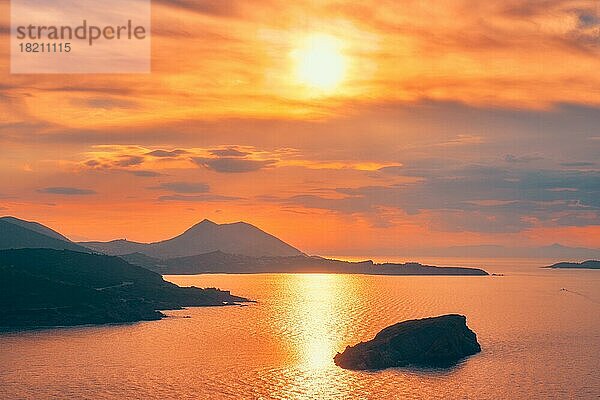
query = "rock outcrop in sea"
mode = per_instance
[{"x": 430, "y": 342}]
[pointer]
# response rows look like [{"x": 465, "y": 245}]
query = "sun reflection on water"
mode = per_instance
[
  {"x": 316, "y": 319},
  {"x": 319, "y": 326}
]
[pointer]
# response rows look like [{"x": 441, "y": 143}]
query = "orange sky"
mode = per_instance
[{"x": 457, "y": 123}]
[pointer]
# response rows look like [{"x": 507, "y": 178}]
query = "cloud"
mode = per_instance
[
  {"x": 477, "y": 198},
  {"x": 584, "y": 218},
  {"x": 92, "y": 163},
  {"x": 67, "y": 191},
  {"x": 478, "y": 221},
  {"x": 126, "y": 162},
  {"x": 198, "y": 198},
  {"x": 219, "y": 8},
  {"x": 587, "y": 18},
  {"x": 143, "y": 173},
  {"x": 461, "y": 140},
  {"x": 348, "y": 204},
  {"x": 110, "y": 103},
  {"x": 238, "y": 159},
  {"x": 399, "y": 52},
  {"x": 511, "y": 158},
  {"x": 167, "y": 153},
  {"x": 229, "y": 152},
  {"x": 233, "y": 164},
  {"x": 118, "y": 163},
  {"x": 129, "y": 161},
  {"x": 114, "y": 157},
  {"x": 581, "y": 164},
  {"x": 183, "y": 187}
]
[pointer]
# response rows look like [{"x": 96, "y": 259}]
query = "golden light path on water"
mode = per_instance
[{"x": 316, "y": 325}]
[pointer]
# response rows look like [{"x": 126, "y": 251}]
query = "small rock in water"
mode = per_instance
[{"x": 429, "y": 342}]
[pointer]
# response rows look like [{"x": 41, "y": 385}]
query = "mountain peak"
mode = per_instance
[
  {"x": 240, "y": 238},
  {"x": 240, "y": 223},
  {"x": 202, "y": 226},
  {"x": 232, "y": 238},
  {"x": 206, "y": 222}
]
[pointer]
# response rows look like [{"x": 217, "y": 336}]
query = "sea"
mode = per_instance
[{"x": 539, "y": 330}]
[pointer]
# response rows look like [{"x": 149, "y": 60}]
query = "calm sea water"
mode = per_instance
[{"x": 538, "y": 342}]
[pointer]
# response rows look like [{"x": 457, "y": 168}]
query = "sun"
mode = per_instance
[{"x": 320, "y": 62}]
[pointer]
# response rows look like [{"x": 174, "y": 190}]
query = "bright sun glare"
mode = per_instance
[{"x": 320, "y": 62}]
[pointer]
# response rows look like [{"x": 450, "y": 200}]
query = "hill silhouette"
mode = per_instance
[
  {"x": 205, "y": 237},
  {"x": 35, "y": 226},
  {"x": 46, "y": 287},
  {"x": 19, "y": 234}
]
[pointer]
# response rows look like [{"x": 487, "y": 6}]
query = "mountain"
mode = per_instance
[
  {"x": 223, "y": 263},
  {"x": 117, "y": 247},
  {"x": 589, "y": 264},
  {"x": 34, "y": 226},
  {"x": 559, "y": 251},
  {"x": 18, "y": 234},
  {"x": 46, "y": 287},
  {"x": 204, "y": 237},
  {"x": 211, "y": 248}
]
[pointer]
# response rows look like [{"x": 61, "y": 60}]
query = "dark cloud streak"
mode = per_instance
[
  {"x": 232, "y": 164},
  {"x": 67, "y": 191},
  {"x": 183, "y": 187}
]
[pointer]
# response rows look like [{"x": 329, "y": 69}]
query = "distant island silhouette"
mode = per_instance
[
  {"x": 589, "y": 264},
  {"x": 207, "y": 247},
  {"x": 218, "y": 262}
]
